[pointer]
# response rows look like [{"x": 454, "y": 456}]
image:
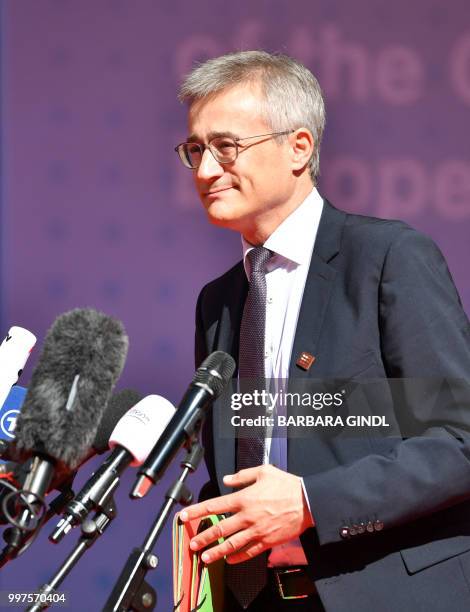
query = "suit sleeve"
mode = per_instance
[{"x": 424, "y": 333}]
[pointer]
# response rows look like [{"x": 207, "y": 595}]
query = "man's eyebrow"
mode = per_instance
[{"x": 211, "y": 135}]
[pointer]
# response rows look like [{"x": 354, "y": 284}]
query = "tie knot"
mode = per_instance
[{"x": 258, "y": 258}]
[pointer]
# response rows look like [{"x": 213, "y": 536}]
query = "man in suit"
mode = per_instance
[{"x": 383, "y": 522}]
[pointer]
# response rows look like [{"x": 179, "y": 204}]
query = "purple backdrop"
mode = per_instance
[{"x": 97, "y": 211}]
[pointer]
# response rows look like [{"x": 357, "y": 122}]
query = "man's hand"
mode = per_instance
[{"x": 270, "y": 510}]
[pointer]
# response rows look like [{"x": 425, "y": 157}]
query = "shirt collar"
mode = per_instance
[{"x": 294, "y": 238}]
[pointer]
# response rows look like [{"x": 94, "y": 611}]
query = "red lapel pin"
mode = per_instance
[{"x": 305, "y": 360}]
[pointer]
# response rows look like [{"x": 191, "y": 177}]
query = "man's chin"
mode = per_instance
[
  {"x": 222, "y": 221},
  {"x": 222, "y": 216},
  {"x": 218, "y": 208}
]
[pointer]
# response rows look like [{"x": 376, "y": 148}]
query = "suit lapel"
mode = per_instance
[
  {"x": 317, "y": 289},
  {"x": 314, "y": 306},
  {"x": 232, "y": 312},
  {"x": 227, "y": 339}
]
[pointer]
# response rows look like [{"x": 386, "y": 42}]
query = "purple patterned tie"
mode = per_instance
[{"x": 247, "y": 579}]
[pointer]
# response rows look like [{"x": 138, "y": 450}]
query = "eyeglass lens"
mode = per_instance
[{"x": 223, "y": 149}]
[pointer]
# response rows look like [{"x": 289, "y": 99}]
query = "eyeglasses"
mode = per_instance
[{"x": 224, "y": 149}]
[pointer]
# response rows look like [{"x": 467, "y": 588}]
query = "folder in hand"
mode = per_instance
[{"x": 196, "y": 586}]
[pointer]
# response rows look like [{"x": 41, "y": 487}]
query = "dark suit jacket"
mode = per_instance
[{"x": 379, "y": 302}]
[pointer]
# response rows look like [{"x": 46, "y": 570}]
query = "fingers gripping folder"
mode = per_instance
[{"x": 197, "y": 587}]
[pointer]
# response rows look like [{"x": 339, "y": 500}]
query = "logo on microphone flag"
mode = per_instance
[{"x": 10, "y": 411}]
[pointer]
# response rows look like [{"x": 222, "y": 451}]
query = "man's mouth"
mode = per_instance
[{"x": 218, "y": 190}]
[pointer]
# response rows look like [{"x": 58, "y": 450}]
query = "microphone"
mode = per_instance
[
  {"x": 208, "y": 383},
  {"x": 83, "y": 355},
  {"x": 132, "y": 439},
  {"x": 8, "y": 414},
  {"x": 14, "y": 352},
  {"x": 117, "y": 406}
]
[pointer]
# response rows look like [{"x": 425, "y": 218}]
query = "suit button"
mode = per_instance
[
  {"x": 344, "y": 533},
  {"x": 370, "y": 527},
  {"x": 378, "y": 525},
  {"x": 361, "y": 528}
]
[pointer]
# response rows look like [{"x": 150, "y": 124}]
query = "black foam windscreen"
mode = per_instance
[
  {"x": 117, "y": 407},
  {"x": 83, "y": 355}
]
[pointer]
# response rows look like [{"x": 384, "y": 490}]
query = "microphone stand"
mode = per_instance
[
  {"x": 132, "y": 591},
  {"x": 92, "y": 529}
]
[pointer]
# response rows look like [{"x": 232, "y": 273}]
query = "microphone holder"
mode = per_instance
[
  {"x": 18, "y": 541},
  {"x": 131, "y": 591},
  {"x": 91, "y": 529}
]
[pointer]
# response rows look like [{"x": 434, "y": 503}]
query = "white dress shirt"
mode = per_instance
[{"x": 286, "y": 273}]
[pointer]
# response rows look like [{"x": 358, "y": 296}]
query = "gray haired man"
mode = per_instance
[{"x": 336, "y": 296}]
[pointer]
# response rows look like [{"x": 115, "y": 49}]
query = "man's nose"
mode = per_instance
[{"x": 209, "y": 167}]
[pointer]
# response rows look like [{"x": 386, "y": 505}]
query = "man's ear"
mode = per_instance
[{"x": 301, "y": 148}]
